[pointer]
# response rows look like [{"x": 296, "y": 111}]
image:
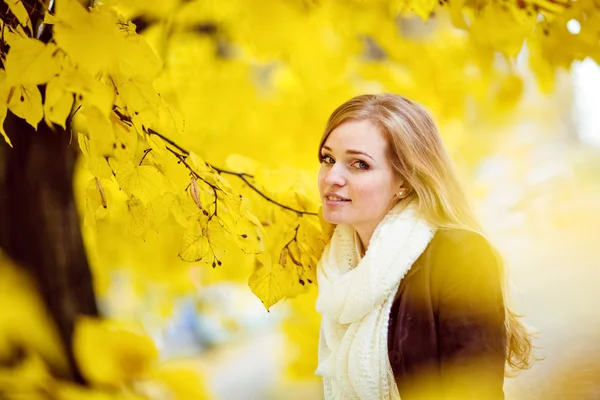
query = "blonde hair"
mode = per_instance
[{"x": 418, "y": 156}]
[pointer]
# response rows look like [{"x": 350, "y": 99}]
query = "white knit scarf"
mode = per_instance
[{"x": 355, "y": 304}]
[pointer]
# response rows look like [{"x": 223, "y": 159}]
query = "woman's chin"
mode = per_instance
[{"x": 335, "y": 218}]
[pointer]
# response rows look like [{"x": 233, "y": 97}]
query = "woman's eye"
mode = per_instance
[
  {"x": 327, "y": 159},
  {"x": 361, "y": 165}
]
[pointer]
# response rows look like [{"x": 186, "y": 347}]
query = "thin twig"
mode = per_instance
[
  {"x": 274, "y": 201},
  {"x": 70, "y": 117},
  {"x": 287, "y": 246},
  {"x": 184, "y": 153},
  {"x": 216, "y": 198},
  {"x": 226, "y": 172},
  {"x": 109, "y": 167},
  {"x": 151, "y": 131},
  {"x": 182, "y": 160},
  {"x": 146, "y": 152},
  {"x": 295, "y": 236},
  {"x": 125, "y": 119}
]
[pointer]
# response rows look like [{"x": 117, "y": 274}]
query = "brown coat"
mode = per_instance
[{"x": 447, "y": 338}]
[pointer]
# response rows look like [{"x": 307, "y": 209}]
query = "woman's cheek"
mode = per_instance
[{"x": 320, "y": 178}]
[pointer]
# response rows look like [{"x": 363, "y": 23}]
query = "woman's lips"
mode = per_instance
[
  {"x": 333, "y": 203},
  {"x": 333, "y": 199}
]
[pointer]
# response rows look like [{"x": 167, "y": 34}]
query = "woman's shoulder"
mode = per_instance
[
  {"x": 459, "y": 241},
  {"x": 462, "y": 249}
]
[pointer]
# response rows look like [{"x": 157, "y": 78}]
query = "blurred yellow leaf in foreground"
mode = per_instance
[{"x": 110, "y": 354}]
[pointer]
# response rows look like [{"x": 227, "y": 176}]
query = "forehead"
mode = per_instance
[{"x": 358, "y": 135}]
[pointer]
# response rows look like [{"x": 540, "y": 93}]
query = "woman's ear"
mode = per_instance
[{"x": 401, "y": 189}]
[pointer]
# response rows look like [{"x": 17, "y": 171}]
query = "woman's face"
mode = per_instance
[{"x": 356, "y": 180}]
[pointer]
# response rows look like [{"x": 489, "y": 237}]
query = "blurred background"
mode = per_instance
[{"x": 515, "y": 90}]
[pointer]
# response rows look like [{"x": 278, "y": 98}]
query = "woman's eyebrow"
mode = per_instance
[{"x": 350, "y": 151}]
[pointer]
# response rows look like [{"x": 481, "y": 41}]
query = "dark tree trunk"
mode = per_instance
[{"x": 39, "y": 223}]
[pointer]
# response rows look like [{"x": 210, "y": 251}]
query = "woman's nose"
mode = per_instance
[{"x": 335, "y": 176}]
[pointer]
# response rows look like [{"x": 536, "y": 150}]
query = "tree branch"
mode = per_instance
[{"x": 184, "y": 153}]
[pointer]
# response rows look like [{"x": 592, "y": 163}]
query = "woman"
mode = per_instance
[{"x": 410, "y": 292}]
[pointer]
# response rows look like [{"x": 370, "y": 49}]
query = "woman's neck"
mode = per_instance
[
  {"x": 364, "y": 237},
  {"x": 365, "y": 232}
]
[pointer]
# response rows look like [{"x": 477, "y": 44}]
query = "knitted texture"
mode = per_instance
[{"x": 355, "y": 297}]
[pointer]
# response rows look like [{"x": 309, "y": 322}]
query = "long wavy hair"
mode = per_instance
[{"x": 418, "y": 155}]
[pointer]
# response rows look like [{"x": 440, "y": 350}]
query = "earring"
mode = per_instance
[{"x": 400, "y": 194}]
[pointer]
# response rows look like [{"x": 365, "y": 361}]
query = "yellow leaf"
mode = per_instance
[
  {"x": 50, "y": 19},
  {"x": 183, "y": 209},
  {"x": 126, "y": 139},
  {"x": 100, "y": 130},
  {"x": 26, "y": 102},
  {"x": 97, "y": 164},
  {"x": 181, "y": 383},
  {"x": 194, "y": 191},
  {"x": 159, "y": 208},
  {"x": 58, "y": 102},
  {"x": 205, "y": 241},
  {"x": 157, "y": 145},
  {"x": 249, "y": 234},
  {"x": 144, "y": 182},
  {"x": 36, "y": 333},
  {"x": 544, "y": 71},
  {"x": 270, "y": 281},
  {"x": 71, "y": 12},
  {"x": 139, "y": 219},
  {"x": 31, "y": 62},
  {"x": 96, "y": 202},
  {"x": 91, "y": 39},
  {"x": 509, "y": 93},
  {"x": 489, "y": 28},
  {"x": 109, "y": 354},
  {"x": 552, "y": 8},
  {"x": 4, "y": 93},
  {"x": 229, "y": 212},
  {"x": 198, "y": 164},
  {"x": 93, "y": 92},
  {"x": 139, "y": 95},
  {"x": 423, "y": 8},
  {"x": 70, "y": 391},
  {"x": 18, "y": 10},
  {"x": 138, "y": 59},
  {"x": 169, "y": 120},
  {"x": 195, "y": 241},
  {"x": 456, "y": 14}
]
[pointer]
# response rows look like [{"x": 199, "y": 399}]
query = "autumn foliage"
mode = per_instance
[{"x": 172, "y": 111}]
